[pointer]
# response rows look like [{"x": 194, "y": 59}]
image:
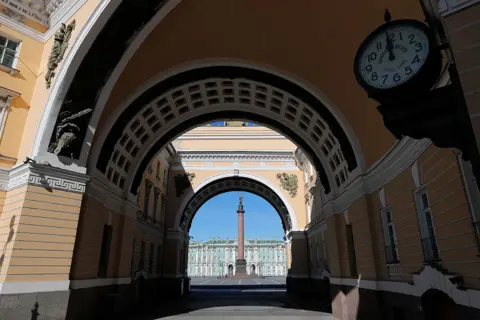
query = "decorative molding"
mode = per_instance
[
  {"x": 29, "y": 11},
  {"x": 400, "y": 157},
  {"x": 428, "y": 278},
  {"x": 230, "y": 137},
  {"x": 22, "y": 28},
  {"x": 289, "y": 182},
  {"x": 448, "y": 7},
  {"x": 91, "y": 283},
  {"x": 210, "y": 167},
  {"x": 30, "y": 287},
  {"x": 64, "y": 12},
  {"x": 234, "y": 156},
  {"x": 42, "y": 176}
]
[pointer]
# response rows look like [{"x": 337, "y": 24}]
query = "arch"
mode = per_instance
[
  {"x": 110, "y": 17},
  {"x": 225, "y": 176},
  {"x": 272, "y": 101},
  {"x": 202, "y": 64},
  {"x": 437, "y": 305}
]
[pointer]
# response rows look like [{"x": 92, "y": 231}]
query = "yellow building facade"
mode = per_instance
[{"x": 97, "y": 199}]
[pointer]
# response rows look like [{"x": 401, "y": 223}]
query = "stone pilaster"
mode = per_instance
[
  {"x": 241, "y": 264},
  {"x": 39, "y": 220}
]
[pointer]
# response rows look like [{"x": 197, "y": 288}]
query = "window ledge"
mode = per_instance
[
  {"x": 9, "y": 70},
  {"x": 427, "y": 262},
  {"x": 393, "y": 264}
]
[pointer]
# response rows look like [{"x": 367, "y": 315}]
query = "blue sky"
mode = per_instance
[{"x": 218, "y": 218}]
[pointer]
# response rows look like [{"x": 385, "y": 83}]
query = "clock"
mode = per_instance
[{"x": 398, "y": 61}]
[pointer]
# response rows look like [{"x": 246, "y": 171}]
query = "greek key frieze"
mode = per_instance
[{"x": 29, "y": 177}]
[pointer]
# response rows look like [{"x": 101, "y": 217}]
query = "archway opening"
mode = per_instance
[
  {"x": 437, "y": 304},
  {"x": 247, "y": 234}
]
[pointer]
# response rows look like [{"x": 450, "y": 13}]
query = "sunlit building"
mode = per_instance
[{"x": 217, "y": 257}]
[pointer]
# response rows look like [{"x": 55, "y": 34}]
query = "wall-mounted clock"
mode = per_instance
[{"x": 399, "y": 60}]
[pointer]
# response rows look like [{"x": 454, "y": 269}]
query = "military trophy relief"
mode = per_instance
[
  {"x": 60, "y": 45},
  {"x": 288, "y": 182},
  {"x": 183, "y": 182}
]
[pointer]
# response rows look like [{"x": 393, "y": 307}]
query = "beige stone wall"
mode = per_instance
[
  {"x": 463, "y": 29},
  {"x": 451, "y": 213},
  {"x": 458, "y": 250},
  {"x": 38, "y": 229}
]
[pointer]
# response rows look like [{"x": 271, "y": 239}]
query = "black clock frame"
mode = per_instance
[{"x": 420, "y": 83}]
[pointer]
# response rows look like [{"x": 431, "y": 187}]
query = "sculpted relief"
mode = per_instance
[
  {"x": 60, "y": 45},
  {"x": 288, "y": 182},
  {"x": 183, "y": 182}
]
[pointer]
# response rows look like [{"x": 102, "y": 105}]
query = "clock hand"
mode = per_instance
[{"x": 391, "y": 55}]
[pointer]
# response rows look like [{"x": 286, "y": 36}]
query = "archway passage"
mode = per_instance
[
  {"x": 230, "y": 270},
  {"x": 182, "y": 102},
  {"x": 252, "y": 268},
  {"x": 437, "y": 305},
  {"x": 234, "y": 184}
]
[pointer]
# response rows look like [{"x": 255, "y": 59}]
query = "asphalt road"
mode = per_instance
[{"x": 218, "y": 303}]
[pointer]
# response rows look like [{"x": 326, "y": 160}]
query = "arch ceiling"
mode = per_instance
[
  {"x": 181, "y": 102},
  {"x": 228, "y": 184},
  {"x": 325, "y": 63}
]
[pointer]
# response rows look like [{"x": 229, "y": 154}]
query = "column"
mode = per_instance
[{"x": 241, "y": 263}]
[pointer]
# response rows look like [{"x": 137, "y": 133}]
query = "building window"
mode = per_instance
[
  {"x": 427, "y": 230},
  {"x": 352, "y": 259},
  {"x": 473, "y": 194},
  {"x": 165, "y": 177},
  {"x": 156, "y": 194},
  {"x": 8, "y": 52},
  {"x": 391, "y": 249},
  {"x": 105, "y": 251},
  {"x": 146, "y": 203},
  {"x": 150, "y": 259},
  {"x": 157, "y": 172},
  {"x": 141, "y": 260},
  {"x": 163, "y": 206},
  {"x": 132, "y": 261}
]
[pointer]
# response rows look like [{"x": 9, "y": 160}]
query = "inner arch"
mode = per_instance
[
  {"x": 229, "y": 182},
  {"x": 303, "y": 118}
]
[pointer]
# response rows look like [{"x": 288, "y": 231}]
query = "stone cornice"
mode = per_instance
[
  {"x": 399, "y": 158},
  {"x": 63, "y": 12},
  {"x": 234, "y": 156},
  {"x": 42, "y": 176},
  {"x": 447, "y": 7}
]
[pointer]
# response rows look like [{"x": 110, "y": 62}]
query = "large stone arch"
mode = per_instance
[
  {"x": 181, "y": 102},
  {"x": 110, "y": 26},
  {"x": 231, "y": 181}
]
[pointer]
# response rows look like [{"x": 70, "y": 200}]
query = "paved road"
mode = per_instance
[
  {"x": 219, "y": 304},
  {"x": 213, "y": 281}
]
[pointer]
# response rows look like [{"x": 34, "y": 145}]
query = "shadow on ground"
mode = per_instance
[{"x": 239, "y": 302}]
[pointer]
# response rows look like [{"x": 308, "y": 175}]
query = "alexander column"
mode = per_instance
[{"x": 241, "y": 264}]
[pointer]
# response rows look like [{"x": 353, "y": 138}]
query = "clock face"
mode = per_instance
[{"x": 393, "y": 56}]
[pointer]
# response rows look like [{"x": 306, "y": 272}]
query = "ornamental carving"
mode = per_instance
[
  {"x": 307, "y": 197},
  {"x": 67, "y": 132},
  {"x": 60, "y": 45},
  {"x": 182, "y": 182},
  {"x": 288, "y": 182}
]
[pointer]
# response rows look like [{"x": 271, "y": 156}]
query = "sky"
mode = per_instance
[{"x": 218, "y": 218}]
